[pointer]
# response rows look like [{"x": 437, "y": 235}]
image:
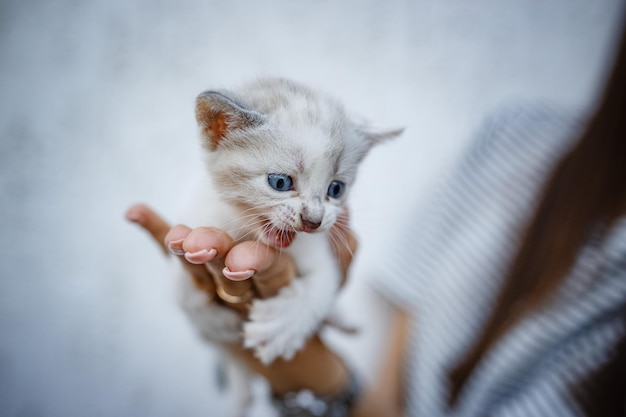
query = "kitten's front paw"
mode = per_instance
[{"x": 280, "y": 326}]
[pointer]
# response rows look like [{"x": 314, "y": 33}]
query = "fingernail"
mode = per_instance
[
  {"x": 201, "y": 256},
  {"x": 176, "y": 247},
  {"x": 239, "y": 275}
]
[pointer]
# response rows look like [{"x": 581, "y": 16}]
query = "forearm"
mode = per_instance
[
  {"x": 385, "y": 398},
  {"x": 315, "y": 367},
  {"x": 320, "y": 370}
]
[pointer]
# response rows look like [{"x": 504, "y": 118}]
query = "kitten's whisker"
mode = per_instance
[
  {"x": 247, "y": 234},
  {"x": 251, "y": 221},
  {"x": 258, "y": 231},
  {"x": 239, "y": 219},
  {"x": 340, "y": 239}
]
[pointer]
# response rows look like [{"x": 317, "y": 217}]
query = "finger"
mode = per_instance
[
  {"x": 209, "y": 246},
  {"x": 270, "y": 269},
  {"x": 173, "y": 240},
  {"x": 150, "y": 221},
  {"x": 206, "y": 244},
  {"x": 169, "y": 241}
]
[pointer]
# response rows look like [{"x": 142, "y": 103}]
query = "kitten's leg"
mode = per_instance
[
  {"x": 217, "y": 324},
  {"x": 240, "y": 387},
  {"x": 279, "y": 326},
  {"x": 212, "y": 321}
]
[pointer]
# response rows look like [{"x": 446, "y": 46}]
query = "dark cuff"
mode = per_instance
[{"x": 305, "y": 403}]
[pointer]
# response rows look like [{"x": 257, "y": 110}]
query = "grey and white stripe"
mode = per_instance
[{"x": 447, "y": 267}]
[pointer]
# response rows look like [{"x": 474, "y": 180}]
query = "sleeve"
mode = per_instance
[
  {"x": 586, "y": 374},
  {"x": 577, "y": 379},
  {"x": 403, "y": 274}
]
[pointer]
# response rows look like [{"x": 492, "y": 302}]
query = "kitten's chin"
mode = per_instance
[{"x": 279, "y": 238}]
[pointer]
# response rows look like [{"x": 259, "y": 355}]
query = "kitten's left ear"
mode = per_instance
[
  {"x": 375, "y": 136},
  {"x": 218, "y": 113}
]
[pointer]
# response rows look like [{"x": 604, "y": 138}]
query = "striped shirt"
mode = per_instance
[{"x": 446, "y": 269}]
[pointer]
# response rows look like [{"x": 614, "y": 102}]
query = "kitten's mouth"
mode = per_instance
[{"x": 279, "y": 238}]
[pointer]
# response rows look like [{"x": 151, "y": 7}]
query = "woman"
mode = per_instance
[{"x": 510, "y": 289}]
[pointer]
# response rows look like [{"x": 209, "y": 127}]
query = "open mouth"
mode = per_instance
[{"x": 279, "y": 238}]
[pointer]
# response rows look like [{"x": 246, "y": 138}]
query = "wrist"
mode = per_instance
[{"x": 305, "y": 402}]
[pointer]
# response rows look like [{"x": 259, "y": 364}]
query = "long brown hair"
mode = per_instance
[{"x": 586, "y": 190}]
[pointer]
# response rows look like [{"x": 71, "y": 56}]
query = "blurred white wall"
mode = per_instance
[{"x": 96, "y": 112}]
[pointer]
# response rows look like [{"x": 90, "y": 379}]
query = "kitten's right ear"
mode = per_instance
[
  {"x": 375, "y": 136},
  {"x": 217, "y": 113}
]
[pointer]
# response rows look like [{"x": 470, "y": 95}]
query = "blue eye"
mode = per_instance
[
  {"x": 280, "y": 182},
  {"x": 336, "y": 189}
]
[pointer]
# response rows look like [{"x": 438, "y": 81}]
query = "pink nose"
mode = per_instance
[{"x": 309, "y": 225}]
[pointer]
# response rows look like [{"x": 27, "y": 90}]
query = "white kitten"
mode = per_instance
[{"x": 282, "y": 159}]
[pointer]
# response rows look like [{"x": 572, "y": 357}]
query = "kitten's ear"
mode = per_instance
[
  {"x": 218, "y": 113},
  {"x": 375, "y": 136}
]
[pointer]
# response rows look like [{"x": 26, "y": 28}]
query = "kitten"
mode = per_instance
[{"x": 282, "y": 159}]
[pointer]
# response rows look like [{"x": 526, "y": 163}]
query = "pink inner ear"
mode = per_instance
[
  {"x": 216, "y": 128},
  {"x": 214, "y": 124}
]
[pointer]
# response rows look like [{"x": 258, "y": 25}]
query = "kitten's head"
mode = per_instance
[{"x": 282, "y": 154}]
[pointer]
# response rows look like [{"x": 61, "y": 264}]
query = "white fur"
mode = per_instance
[
  {"x": 214, "y": 323},
  {"x": 276, "y": 127},
  {"x": 280, "y": 326}
]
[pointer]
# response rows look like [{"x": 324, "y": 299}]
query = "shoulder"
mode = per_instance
[{"x": 524, "y": 132}]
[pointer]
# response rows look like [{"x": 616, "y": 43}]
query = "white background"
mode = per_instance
[{"x": 96, "y": 112}]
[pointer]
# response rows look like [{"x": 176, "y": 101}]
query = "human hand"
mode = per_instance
[
  {"x": 233, "y": 273},
  {"x": 210, "y": 255}
]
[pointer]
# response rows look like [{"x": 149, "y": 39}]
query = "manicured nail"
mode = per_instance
[
  {"x": 201, "y": 256},
  {"x": 239, "y": 275},
  {"x": 176, "y": 247}
]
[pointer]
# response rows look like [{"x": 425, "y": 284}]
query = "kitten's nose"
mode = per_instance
[{"x": 309, "y": 225}]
